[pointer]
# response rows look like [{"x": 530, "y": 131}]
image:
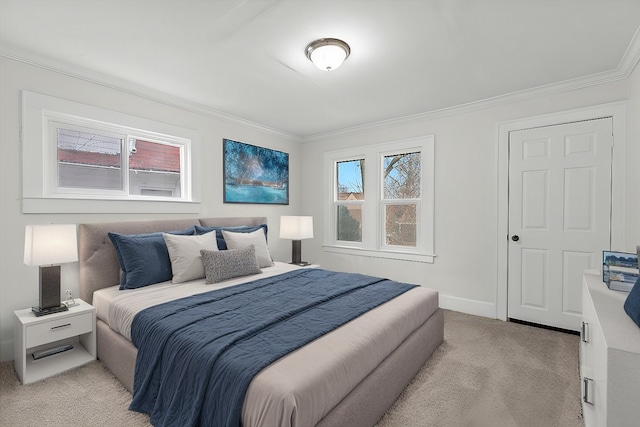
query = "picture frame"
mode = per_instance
[
  {"x": 253, "y": 174},
  {"x": 619, "y": 270}
]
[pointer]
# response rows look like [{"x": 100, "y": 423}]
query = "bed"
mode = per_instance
[{"x": 344, "y": 386}]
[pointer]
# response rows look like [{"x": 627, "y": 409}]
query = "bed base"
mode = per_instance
[
  {"x": 363, "y": 406},
  {"x": 369, "y": 400}
]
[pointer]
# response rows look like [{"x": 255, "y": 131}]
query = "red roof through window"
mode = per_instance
[{"x": 149, "y": 156}]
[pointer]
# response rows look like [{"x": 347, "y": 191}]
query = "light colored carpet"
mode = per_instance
[
  {"x": 86, "y": 396},
  {"x": 493, "y": 373},
  {"x": 486, "y": 373}
]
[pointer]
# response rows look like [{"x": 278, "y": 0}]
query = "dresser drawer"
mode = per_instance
[{"x": 59, "y": 329}]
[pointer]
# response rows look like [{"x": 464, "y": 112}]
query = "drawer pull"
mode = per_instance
[
  {"x": 587, "y": 384},
  {"x": 584, "y": 331},
  {"x": 60, "y": 326}
]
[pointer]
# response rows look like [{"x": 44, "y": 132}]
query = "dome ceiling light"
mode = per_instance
[{"x": 327, "y": 54}]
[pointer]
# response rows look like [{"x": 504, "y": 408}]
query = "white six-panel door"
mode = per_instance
[{"x": 559, "y": 217}]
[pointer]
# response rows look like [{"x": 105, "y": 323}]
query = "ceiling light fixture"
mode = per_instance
[{"x": 327, "y": 54}]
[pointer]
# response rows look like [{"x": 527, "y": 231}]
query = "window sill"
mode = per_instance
[
  {"x": 404, "y": 256},
  {"x": 95, "y": 206}
]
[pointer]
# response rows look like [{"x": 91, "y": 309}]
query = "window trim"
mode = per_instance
[
  {"x": 373, "y": 242},
  {"x": 39, "y": 110}
]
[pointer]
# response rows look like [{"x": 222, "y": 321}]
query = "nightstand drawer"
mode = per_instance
[{"x": 69, "y": 326}]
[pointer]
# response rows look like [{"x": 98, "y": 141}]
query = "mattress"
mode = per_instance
[
  {"x": 287, "y": 392},
  {"x": 118, "y": 308}
]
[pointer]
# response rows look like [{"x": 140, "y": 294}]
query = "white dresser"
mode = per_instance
[{"x": 609, "y": 357}]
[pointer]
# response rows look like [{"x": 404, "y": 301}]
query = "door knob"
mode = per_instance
[{"x": 515, "y": 238}]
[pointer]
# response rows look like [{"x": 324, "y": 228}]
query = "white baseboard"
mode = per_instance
[{"x": 469, "y": 306}]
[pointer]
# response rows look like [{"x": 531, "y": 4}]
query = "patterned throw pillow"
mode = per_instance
[{"x": 224, "y": 265}]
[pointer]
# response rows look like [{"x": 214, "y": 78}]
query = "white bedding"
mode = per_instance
[
  {"x": 288, "y": 392},
  {"x": 118, "y": 308}
]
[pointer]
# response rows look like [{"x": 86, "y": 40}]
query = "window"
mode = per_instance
[
  {"x": 349, "y": 200},
  {"x": 95, "y": 161},
  {"x": 77, "y": 157},
  {"x": 401, "y": 200},
  {"x": 87, "y": 159},
  {"x": 394, "y": 217}
]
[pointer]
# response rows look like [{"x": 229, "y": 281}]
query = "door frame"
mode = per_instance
[{"x": 616, "y": 110}]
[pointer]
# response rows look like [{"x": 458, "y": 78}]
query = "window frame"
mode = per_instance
[
  {"x": 42, "y": 114},
  {"x": 373, "y": 214},
  {"x": 53, "y": 122},
  {"x": 384, "y": 202}
]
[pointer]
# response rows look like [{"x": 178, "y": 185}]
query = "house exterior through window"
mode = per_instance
[{"x": 94, "y": 162}]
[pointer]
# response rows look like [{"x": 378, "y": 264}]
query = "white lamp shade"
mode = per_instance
[
  {"x": 328, "y": 57},
  {"x": 296, "y": 227},
  {"x": 50, "y": 244}
]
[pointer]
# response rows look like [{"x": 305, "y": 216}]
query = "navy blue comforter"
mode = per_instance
[{"x": 197, "y": 355}]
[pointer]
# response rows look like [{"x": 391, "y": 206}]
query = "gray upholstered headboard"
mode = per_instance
[{"x": 99, "y": 266}]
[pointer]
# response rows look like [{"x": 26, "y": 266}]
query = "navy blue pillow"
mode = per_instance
[
  {"x": 222, "y": 245},
  {"x": 144, "y": 258},
  {"x": 632, "y": 303}
]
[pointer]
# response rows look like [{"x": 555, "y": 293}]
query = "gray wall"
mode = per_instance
[
  {"x": 18, "y": 282},
  {"x": 466, "y": 190},
  {"x": 466, "y": 211}
]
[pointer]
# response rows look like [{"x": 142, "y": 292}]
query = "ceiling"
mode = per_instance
[{"x": 246, "y": 58}]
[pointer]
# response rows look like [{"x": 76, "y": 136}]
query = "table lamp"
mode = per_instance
[
  {"x": 296, "y": 228},
  {"x": 48, "y": 246}
]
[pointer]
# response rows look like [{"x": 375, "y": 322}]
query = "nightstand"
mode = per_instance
[{"x": 38, "y": 335}]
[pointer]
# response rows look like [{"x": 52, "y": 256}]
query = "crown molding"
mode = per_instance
[
  {"x": 631, "y": 56},
  {"x": 627, "y": 64},
  {"x": 555, "y": 88},
  {"x": 624, "y": 69},
  {"x": 111, "y": 82}
]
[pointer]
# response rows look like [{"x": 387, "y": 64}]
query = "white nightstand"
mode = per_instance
[{"x": 33, "y": 334}]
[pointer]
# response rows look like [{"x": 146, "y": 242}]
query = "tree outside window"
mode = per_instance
[
  {"x": 402, "y": 192},
  {"x": 350, "y": 198}
]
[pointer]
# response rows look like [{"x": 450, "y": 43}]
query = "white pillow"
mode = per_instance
[
  {"x": 184, "y": 253},
  {"x": 256, "y": 238}
]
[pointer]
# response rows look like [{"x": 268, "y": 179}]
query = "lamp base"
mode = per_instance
[
  {"x": 300, "y": 264},
  {"x": 38, "y": 311},
  {"x": 49, "y": 287},
  {"x": 296, "y": 252}
]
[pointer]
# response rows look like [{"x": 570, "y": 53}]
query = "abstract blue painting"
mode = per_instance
[{"x": 255, "y": 174}]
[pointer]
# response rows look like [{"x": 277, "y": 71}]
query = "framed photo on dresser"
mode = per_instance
[{"x": 619, "y": 270}]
